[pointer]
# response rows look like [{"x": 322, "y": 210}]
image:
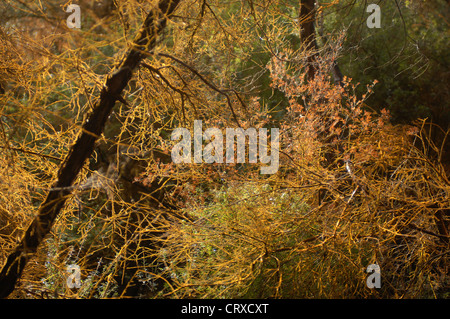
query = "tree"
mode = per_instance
[{"x": 84, "y": 146}]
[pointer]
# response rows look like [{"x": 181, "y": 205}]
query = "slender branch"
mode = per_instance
[
  {"x": 182, "y": 94},
  {"x": 18, "y": 149},
  {"x": 429, "y": 232},
  {"x": 208, "y": 83}
]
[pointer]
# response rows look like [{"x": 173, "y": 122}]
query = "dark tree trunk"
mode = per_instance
[
  {"x": 307, "y": 33},
  {"x": 83, "y": 147}
]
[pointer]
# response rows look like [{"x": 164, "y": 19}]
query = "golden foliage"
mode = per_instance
[{"x": 138, "y": 225}]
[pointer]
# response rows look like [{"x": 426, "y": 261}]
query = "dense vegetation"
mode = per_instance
[{"x": 364, "y": 163}]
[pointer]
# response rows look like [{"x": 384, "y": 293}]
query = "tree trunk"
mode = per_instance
[
  {"x": 307, "y": 33},
  {"x": 83, "y": 147}
]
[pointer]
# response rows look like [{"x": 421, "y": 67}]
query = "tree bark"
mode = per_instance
[
  {"x": 307, "y": 17},
  {"x": 83, "y": 147}
]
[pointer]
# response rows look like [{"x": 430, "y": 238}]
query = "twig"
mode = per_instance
[{"x": 413, "y": 226}]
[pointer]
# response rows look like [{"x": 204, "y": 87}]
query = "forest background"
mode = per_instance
[{"x": 364, "y": 168}]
